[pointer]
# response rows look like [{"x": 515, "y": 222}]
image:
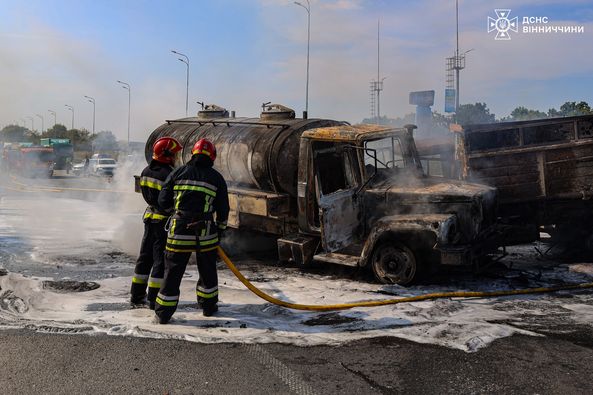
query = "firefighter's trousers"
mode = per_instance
[
  {"x": 206, "y": 289},
  {"x": 150, "y": 266}
]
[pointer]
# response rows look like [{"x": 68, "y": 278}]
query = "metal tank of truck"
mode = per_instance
[{"x": 329, "y": 191}]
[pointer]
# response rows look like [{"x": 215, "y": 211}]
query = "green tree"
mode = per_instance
[
  {"x": 105, "y": 141},
  {"x": 16, "y": 133},
  {"x": 441, "y": 121},
  {"x": 58, "y": 131},
  {"x": 474, "y": 113},
  {"x": 524, "y": 114},
  {"x": 553, "y": 113},
  {"x": 572, "y": 108}
]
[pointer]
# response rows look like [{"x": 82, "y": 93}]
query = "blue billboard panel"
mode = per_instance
[{"x": 449, "y": 100}]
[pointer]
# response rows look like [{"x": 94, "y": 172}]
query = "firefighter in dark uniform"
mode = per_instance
[
  {"x": 150, "y": 265},
  {"x": 198, "y": 194}
]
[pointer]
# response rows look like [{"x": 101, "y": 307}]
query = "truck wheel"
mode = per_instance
[{"x": 394, "y": 263}]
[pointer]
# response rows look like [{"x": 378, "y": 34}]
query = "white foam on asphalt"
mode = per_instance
[
  {"x": 78, "y": 227},
  {"x": 466, "y": 324}
]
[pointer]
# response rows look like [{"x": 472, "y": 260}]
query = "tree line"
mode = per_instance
[
  {"x": 480, "y": 113},
  {"x": 81, "y": 139}
]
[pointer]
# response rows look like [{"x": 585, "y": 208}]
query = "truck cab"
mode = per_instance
[{"x": 363, "y": 199}]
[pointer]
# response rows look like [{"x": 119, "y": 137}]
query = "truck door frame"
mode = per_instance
[{"x": 339, "y": 209}]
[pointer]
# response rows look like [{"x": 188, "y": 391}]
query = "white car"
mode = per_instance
[
  {"x": 104, "y": 167},
  {"x": 78, "y": 169}
]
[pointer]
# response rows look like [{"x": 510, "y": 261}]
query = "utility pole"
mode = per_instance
[
  {"x": 308, "y": 9},
  {"x": 125, "y": 85},
  {"x": 92, "y": 100},
  {"x": 54, "y": 114},
  {"x": 377, "y": 85},
  {"x": 456, "y": 63},
  {"x": 42, "y": 122},
  {"x": 32, "y": 123},
  {"x": 71, "y": 109},
  {"x": 186, "y": 61}
]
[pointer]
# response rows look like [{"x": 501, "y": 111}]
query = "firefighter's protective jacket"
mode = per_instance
[
  {"x": 152, "y": 180},
  {"x": 196, "y": 192}
]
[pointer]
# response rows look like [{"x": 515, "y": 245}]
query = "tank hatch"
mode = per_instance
[
  {"x": 213, "y": 111},
  {"x": 276, "y": 111}
]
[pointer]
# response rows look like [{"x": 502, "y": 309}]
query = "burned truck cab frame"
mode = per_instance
[{"x": 363, "y": 193}]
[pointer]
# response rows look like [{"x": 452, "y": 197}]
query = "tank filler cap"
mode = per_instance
[
  {"x": 277, "y": 111},
  {"x": 213, "y": 111}
]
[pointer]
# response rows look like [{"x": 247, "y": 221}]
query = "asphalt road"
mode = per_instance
[
  {"x": 78, "y": 364},
  {"x": 557, "y": 362}
]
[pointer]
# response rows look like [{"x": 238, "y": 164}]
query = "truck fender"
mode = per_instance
[{"x": 443, "y": 226}]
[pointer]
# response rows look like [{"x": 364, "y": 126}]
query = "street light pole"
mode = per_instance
[
  {"x": 54, "y": 114},
  {"x": 92, "y": 100},
  {"x": 186, "y": 61},
  {"x": 42, "y": 122},
  {"x": 71, "y": 109},
  {"x": 308, "y": 9},
  {"x": 125, "y": 85},
  {"x": 32, "y": 123}
]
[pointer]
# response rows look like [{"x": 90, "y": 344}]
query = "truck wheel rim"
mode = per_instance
[{"x": 394, "y": 265}]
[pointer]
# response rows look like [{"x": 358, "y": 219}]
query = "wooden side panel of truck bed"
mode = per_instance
[{"x": 532, "y": 160}]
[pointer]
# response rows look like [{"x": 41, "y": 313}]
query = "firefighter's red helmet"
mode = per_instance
[
  {"x": 204, "y": 147},
  {"x": 164, "y": 150}
]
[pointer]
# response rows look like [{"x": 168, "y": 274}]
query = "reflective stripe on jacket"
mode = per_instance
[
  {"x": 152, "y": 180},
  {"x": 198, "y": 194}
]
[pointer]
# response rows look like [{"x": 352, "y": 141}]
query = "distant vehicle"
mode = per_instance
[
  {"x": 103, "y": 167},
  {"x": 78, "y": 168},
  {"x": 63, "y": 151},
  {"x": 30, "y": 161}
]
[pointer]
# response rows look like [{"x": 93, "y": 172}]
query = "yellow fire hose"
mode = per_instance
[{"x": 384, "y": 302}]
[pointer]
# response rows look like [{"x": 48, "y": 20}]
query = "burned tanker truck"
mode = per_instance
[{"x": 329, "y": 191}]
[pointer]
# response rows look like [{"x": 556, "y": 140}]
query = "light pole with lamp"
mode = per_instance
[
  {"x": 308, "y": 9},
  {"x": 42, "y": 122},
  {"x": 125, "y": 85},
  {"x": 186, "y": 61},
  {"x": 92, "y": 100},
  {"x": 32, "y": 123},
  {"x": 71, "y": 109},
  {"x": 54, "y": 114}
]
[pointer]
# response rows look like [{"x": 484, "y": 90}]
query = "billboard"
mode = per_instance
[
  {"x": 449, "y": 100},
  {"x": 422, "y": 98}
]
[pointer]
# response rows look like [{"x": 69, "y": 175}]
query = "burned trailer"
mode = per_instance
[
  {"x": 328, "y": 191},
  {"x": 543, "y": 170}
]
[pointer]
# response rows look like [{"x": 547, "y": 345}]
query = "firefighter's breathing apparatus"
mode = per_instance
[
  {"x": 341, "y": 306},
  {"x": 384, "y": 302}
]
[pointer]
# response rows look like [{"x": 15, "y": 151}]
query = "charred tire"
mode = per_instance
[{"x": 394, "y": 263}]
